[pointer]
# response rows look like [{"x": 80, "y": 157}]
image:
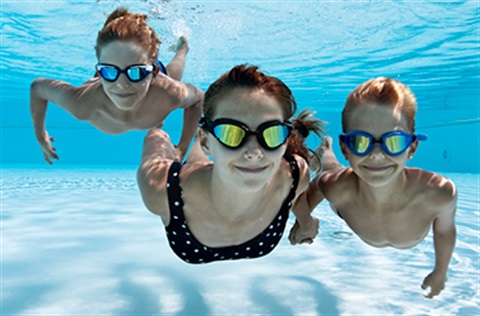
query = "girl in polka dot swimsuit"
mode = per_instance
[{"x": 235, "y": 205}]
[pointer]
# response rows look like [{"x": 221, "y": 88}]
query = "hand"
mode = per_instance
[
  {"x": 179, "y": 154},
  {"x": 436, "y": 282},
  {"x": 302, "y": 234},
  {"x": 47, "y": 148}
]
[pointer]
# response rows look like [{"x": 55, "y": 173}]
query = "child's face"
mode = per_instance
[
  {"x": 124, "y": 93},
  {"x": 377, "y": 167},
  {"x": 249, "y": 167}
]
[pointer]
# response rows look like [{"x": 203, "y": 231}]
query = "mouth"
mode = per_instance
[
  {"x": 251, "y": 170},
  {"x": 377, "y": 168},
  {"x": 124, "y": 95}
]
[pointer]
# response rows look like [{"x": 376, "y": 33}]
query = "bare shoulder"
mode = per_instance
[
  {"x": 439, "y": 189},
  {"x": 304, "y": 172},
  {"x": 336, "y": 182},
  {"x": 169, "y": 89}
]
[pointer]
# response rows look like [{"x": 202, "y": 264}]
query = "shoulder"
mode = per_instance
[
  {"x": 336, "y": 183},
  {"x": 303, "y": 172},
  {"x": 437, "y": 188}
]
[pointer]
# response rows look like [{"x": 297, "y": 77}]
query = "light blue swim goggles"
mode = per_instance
[
  {"x": 393, "y": 143},
  {"x": 134, "y": 73}
]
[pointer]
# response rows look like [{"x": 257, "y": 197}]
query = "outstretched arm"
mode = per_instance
[
  {"x": 157, "y": 155},
  {"x": 306, "y": 226},
  {"x": 193, "y": 105},
  {"x": 60, "y": 93},
  {"x": 444, "y": 235}
]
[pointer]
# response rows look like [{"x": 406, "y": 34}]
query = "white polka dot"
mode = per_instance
[
  {"x": 186, "y": 260},
  {"x": 183, "y": 226},
  {"x": 204, "y": 248},
  {"x": 260, "y": 253},
  {"x": 200, "y": 260},
  {"x": 168, "y": 185},
  {"x": 236, "y": 254},
  {"x": 176, "y": 203},
  {"x": 196, "y": 250},
  {"x": 278, "y": 224},
  {"x": 272, "y": 245},
  {"x": 176, "y": 217},
  {"x": 174, "y": 233},
  {"x": 187, "y": 233},
  {"x": 289, "y": 204},
  {"x": 280, "y": 234},
  {"x": 274, "y": 234},
  {"x": 188, "y": 242},
  {"x": 271, "y": 227},
  {"x": 260, "y": 243},
  {"x": 184, "y": 254},
  {"x": 215, "y": 255},
  {"x": 247, "y": 249},
  {"x": 280, "y": 217},
  {"x": 268, "y": 235},
  {"x": 222, "y": 257},
  {"x": 173, "y": 243},
  {"x": 175, "y": 174}
]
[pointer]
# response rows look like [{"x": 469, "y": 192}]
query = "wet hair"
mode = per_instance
[
  {"x": 382, "y": 91},
  {"x": 122, "y": 25},
  {"x": 249, "y": 77}
]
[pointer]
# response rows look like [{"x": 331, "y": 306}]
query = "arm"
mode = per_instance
[
  {"x": 157, "y": 155},
  {"x": 60, "y": 93},
  {"x": 444, "y": 235},
  {"x": 193, "y": 105},
  {"x": 306, "y": 226}
]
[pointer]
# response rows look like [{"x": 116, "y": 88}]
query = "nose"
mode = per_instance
[
  {"x": 122, "y": 81},
  {"x": 377, "y": 152},
  {"x": 253, "y": 151}
]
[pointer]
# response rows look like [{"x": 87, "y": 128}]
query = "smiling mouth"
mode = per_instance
[
  {"x": 124, "y": 95},
  {"x": 251, "y": 169},
  {"x": 377, "y": 168}
]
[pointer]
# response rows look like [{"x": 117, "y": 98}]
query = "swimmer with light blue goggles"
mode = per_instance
[{"x": 393, "y": 143}]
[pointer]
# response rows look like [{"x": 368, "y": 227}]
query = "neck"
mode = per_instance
[
  {"x": 383, "y": 194},
  {"x": 231, "y": 202}
]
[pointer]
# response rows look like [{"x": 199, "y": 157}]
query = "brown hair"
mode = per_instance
[
  {"x": 122, "y": 25},
  {"x": 383, "y": 92},
  {"x": 245, "y": 76}
]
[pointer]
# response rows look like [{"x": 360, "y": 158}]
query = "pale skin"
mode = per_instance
[
  {"x": 120, "y": 106},
  {"x": 385, "y": 203},
  {"x": 233, "y": 198}
]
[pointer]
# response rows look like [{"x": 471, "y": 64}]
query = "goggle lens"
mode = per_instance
[
  {"x": 108, "y": 73},
  {"x": 359, "y": 143},
  {"x": 275, "y": 136},
  {"x": 229, "y": 134},
  {"x": 397, "y": 143}
]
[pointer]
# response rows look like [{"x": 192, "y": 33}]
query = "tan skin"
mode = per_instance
[
  {"x": 385, "y": 203},
  {"x": 234, "y": 198},
  {"x": 120, "y": 106}
]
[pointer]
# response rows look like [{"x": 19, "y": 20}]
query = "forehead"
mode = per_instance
[
  {"x": 250, "y": 106},
  {"x": 123, "y": 54},
  {"x": 376, "y": 119}
]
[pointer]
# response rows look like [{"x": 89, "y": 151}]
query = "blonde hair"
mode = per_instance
[{"x": 382, "y": 91}]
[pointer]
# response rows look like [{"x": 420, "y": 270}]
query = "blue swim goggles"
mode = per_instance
[
  {"x": 233, "y": 134},
  {"x": 134, "y": 73},
  {"x": 393, "y": 143}
]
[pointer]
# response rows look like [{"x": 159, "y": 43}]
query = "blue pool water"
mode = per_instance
[{"x": 76, "y": 238}]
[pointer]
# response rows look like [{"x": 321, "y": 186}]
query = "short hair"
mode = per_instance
[{"x": 382, "y": 91}]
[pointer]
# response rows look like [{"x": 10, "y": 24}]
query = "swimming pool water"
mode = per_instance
[
  {"x": 76, "y": 238},
  {"x": 79, "y": 241}
]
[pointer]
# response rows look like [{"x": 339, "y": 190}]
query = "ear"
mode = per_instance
[
  {"x": 203, "y": 137},
  {"x": 412, "y": 149},
  {"x": 344, "y": 150}
]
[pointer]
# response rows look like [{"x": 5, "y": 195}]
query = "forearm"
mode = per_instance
[
  {"x": 38, "y": 108},
  {"x": 444, "y": 243},
  {"x": 306, "y": 203},
  {"x": 191, "y": 117},
  {"x": 157, "y": 145}
]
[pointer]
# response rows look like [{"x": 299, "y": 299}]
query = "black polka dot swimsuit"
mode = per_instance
[{"x": 190, "y": 250}]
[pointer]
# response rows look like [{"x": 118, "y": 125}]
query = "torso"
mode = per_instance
[
  {"x": 402, "y": 222},
  {"x": 198, "y": 235}
]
